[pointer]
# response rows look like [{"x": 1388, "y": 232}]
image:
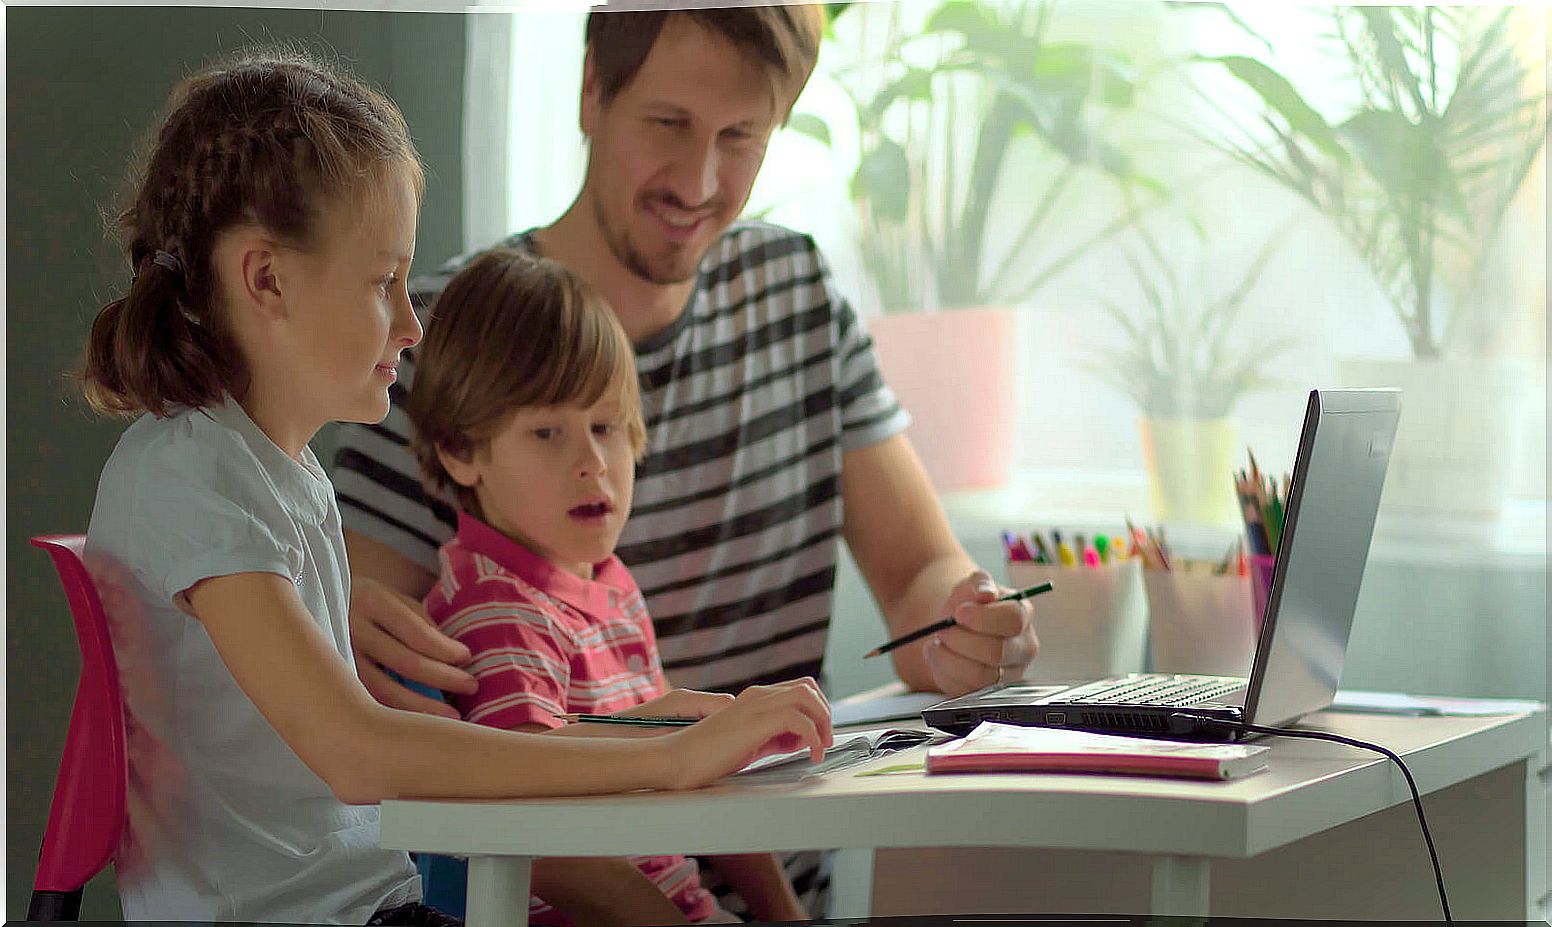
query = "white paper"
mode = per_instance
[
  {"x": 889, "y": 708},
  {"x": 994, "y": 737},
  {"x": 1401, "y": 703}
]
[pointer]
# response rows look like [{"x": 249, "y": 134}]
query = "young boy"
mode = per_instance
[{"x": 538, "y": 439}]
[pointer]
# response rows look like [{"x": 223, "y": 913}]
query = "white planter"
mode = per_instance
[{"x": 1459, "y": 439}]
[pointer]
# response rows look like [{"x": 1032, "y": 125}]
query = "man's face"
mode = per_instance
[{"x": 676, "y": 151}]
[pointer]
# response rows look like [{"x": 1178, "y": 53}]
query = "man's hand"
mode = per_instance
[
  {"x": 390, "y": 629},
  {"x": 903, "y": 546},
  {"x": 993, "y": 641}
]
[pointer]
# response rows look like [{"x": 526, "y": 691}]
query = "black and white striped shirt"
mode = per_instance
[{"x": 751, "y": 398}]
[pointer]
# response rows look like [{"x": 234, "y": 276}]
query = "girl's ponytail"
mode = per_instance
[{"x": 148, "y": 352}]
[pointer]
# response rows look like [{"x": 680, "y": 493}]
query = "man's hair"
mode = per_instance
[
  {"x": 513, "y": 331},
  {"x": 783, "y": 37}
]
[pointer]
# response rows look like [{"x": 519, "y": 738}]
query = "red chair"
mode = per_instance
[{"x": 87, "y": 816}]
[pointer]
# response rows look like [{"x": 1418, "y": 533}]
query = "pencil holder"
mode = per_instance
[
  {"x": 1095, "y": 622},
  {"x": 1261, "y": 566},
  {"x": 1200, "y": 622}
]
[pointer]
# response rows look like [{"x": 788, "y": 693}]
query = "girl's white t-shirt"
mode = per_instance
[{"x": 225, "y": 821}]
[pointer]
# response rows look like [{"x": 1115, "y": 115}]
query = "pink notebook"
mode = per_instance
[{"x": 994, "y": 747}]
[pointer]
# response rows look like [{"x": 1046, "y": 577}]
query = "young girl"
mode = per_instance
[
  {"x": 537, "y": 437},
  {"x": 269, "y": 235}
]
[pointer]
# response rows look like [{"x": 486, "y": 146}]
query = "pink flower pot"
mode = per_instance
[{"x": 953, "y": 371}]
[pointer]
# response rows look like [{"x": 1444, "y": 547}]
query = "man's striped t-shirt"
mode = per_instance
[{"x": 751, "y": 398}]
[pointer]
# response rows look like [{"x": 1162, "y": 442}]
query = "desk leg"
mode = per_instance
[
  {"x": 1538, "y": 834},
  {"x": 851, "y": 884},
  {"x": 498, "y": 891},
  {"x": 1181, "y": 886}
]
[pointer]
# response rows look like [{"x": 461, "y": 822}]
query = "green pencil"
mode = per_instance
[
  {"x": 949, "y": 622},
  {"x": 637, "y": 721}
]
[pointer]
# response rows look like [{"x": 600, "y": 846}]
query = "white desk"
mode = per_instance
[{"x": 1482, "y": 773}]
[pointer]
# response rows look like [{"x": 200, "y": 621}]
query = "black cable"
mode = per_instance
[{"x": 1417, "y": 800}]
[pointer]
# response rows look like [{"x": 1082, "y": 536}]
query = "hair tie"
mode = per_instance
[
  {"x": 168, "y": 260},
  {"x": 162, "y": 259}
]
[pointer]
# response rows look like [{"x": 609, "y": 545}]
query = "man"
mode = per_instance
[{"x": 770, "y": 432}]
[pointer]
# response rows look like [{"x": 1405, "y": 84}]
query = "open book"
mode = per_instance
[
  {"x": 994, "y": 747},
  {"x": 850, "y": 751}
]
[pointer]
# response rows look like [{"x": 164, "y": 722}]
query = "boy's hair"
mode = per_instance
[
  {"x": 782, "y": 37},
  {"x": 270, "y": 140},
  {"x": 512, "y": 331}
]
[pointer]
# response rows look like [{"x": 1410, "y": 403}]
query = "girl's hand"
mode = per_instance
[
  {"x": 761, "y": 721},
  {"x": 681, "y": 703}
]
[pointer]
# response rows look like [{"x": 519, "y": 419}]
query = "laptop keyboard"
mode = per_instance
[{"x": 1154, "y": 689}]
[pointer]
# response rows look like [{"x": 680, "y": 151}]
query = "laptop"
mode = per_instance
[{"x": 1333, "y": 498}]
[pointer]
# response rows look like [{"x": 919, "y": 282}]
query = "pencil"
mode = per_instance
[
  {"x": 949, "y": 622},
  {"x": 1138, "y": 546},
  {"x": 1274, "y": 527},
  {"x": 1161, "y": 547},
  {"x": 638, "y": 721}
]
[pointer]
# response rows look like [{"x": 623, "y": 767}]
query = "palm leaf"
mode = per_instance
[{"x": 1279, "y": 94}]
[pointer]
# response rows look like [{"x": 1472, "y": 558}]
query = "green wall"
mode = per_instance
[{"x": 82, "y": 86}]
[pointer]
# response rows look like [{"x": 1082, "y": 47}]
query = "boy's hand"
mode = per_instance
[
  {"x": 681, "y": 703},
  {"x": 760, "y": 721}
]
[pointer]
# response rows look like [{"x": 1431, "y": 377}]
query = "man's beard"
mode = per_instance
[{"x": 634, "y": 261}]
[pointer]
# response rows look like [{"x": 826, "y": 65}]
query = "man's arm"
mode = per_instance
[
  {"x": 375, "y": 560},
  {"x": 918, "y": 572},
  {"x": 389, "y": 628}
]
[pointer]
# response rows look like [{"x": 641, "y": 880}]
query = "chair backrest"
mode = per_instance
[{"x": 87, "y": 816}]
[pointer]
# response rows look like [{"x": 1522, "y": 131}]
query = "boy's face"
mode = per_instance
[
  {"x": 675, "y": 152},
  {"x": 558, "y": 479}
]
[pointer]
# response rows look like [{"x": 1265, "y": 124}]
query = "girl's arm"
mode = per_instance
[
  {"x": 675, "y": 703},
  {"x": 762, "y": 882},
  {"x": 283, "y": 662}
]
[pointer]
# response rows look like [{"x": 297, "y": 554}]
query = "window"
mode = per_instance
[
  {"x": 1454, "y": 595},
  {"x": 1315, "y": 312}
]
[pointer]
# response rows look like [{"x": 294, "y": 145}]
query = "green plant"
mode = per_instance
[
  {"x": 1178, "y": 360},
  {"x": 1419, "y": 172},
  {"x": 939, "y": 113}
]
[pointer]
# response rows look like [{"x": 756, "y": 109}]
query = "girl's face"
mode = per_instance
[
  {"x": 348, "y": 315},
  {"x": 557, "y": 479}
]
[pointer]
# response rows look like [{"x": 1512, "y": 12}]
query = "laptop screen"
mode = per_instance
[{"x": 1333, "y": 498}]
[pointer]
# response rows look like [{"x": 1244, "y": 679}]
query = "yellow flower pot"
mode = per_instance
[{"x": 1191, "y": 469}]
